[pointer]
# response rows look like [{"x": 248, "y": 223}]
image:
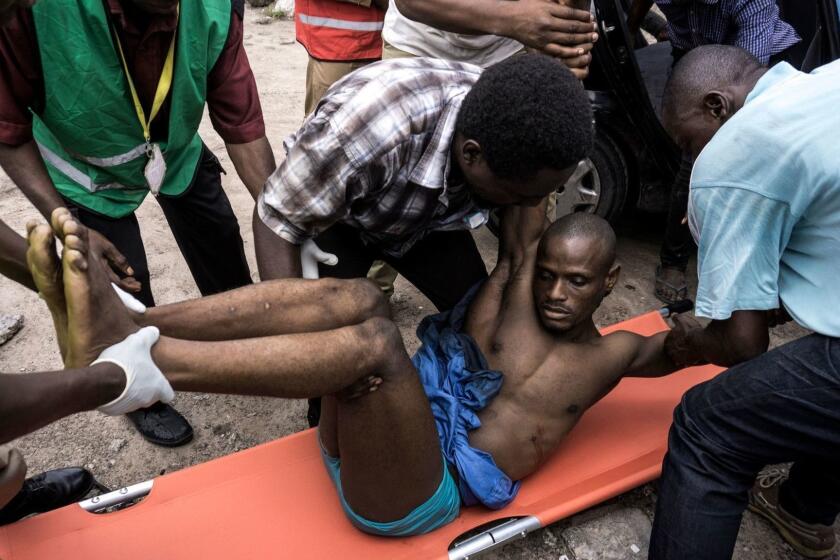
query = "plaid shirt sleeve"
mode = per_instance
[{"x": 309, "y": 191}]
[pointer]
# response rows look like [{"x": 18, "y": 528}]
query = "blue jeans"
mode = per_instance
[{"x": 782, "y": 406}]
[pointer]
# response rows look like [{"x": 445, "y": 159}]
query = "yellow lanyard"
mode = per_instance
[{"x": 163, "y": 86}]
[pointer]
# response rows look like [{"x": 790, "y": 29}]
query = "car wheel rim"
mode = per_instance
[{"x": 581, "y": 193}]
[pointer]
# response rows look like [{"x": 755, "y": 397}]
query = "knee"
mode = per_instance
[
  {"x": 384, "y": 343},
  {"x": 369, "y": 299}
]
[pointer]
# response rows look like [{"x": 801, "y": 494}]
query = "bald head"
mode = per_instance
[
  {"x": 589, "y": 227},
  {"x": 707, "y": 87},
  {"x": 704, "y": 69}
]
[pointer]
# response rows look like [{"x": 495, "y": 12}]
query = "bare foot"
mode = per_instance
[
  {"x": 96, "y": 318},
  {"x": 45, "y": 267}
]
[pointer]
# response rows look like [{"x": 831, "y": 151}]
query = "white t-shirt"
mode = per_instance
[{"x": 422, "y": 40}]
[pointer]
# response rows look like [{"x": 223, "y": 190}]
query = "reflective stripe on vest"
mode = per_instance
[
  {"x": 337, "y": 31},
  {"x": 74, "y": 174},
  {"x": 342, "y": 24}
]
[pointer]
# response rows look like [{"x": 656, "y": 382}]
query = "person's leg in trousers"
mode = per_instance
[
  {"x": 124, "y": 233},
  {"x": 782, "y": 406},
  {"x": 812, "y": 491},
  {"x": 207, "y": 231},
  {"x": 444, "y": 265},
  {"x": 677, "y": 244},
  {"x": 354, "y": 261}
]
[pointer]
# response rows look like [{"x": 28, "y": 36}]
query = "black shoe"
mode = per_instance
[
  {"x": 313, "y": 415},
  {"x": 48, "y": 491},
  {"x": 162, "y": 425}
]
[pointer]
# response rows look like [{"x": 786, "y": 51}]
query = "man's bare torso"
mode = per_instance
[{"x": 548, "y": 384}]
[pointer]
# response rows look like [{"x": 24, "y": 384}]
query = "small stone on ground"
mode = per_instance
[
  {"x": 621, "y": 534},
  {"x": 9, "y": 327}
]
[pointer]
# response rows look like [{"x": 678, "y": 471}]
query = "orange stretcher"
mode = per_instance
[{"x": 276, "y": 500}]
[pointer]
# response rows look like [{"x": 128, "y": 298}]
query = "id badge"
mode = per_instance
[{"x": 155, "y": 169}]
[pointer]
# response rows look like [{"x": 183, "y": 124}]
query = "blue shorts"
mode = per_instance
[
  {"x": 459, "y": 384},
  {"x": 440, "y": 509}
]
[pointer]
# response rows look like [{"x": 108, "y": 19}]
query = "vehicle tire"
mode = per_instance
[{"x": 598, "y": 185}]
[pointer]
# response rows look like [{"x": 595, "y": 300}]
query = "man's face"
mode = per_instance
[
  {"x": 692, "y": 130},
  {"x": 156, "y": 6},
  {"x": 571, "y": 279},
  {"x": 9, "y": 7},
  {"x": 492, "y": 190}
]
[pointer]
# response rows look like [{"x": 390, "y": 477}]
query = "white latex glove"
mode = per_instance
[
  {"x": 128, "y": 300},
  {"x": 310, "y": 256},
  {"x": 145, "y": 384}
]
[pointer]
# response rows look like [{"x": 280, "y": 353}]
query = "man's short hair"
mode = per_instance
[
  {"x": 587, "y": 226},
  {"x": 528, "y": 113},
  {"x": 704, "y": 69}
]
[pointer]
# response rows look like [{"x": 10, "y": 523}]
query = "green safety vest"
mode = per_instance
[{"x": 88, "y": 133}]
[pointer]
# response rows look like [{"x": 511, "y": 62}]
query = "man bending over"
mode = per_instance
[{"x": 395, "y": 474}]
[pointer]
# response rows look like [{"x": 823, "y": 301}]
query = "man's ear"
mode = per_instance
[
  {"x": 717, "y": 105},
  {"x": 471, "y": 152},
  {"x": 612, "y": 277}
]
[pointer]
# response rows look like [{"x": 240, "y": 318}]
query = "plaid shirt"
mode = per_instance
[
  {"x": 753, "y": 25},
  {"x": 375, "y": 155}
]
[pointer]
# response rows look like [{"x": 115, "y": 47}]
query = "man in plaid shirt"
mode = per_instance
[{"x": 403, "y": 157}]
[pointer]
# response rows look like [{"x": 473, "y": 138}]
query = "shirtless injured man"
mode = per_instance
[{"x": 498, "y": 383}]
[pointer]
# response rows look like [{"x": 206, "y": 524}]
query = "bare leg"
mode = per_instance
[
  {"x": 264, "y": 309},
  {"x": 270, "y": 308},
  {"x": 391, "y": 459}
]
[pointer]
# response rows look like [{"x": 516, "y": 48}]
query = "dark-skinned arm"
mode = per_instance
[
  {"x": 519, "y": 238},
  {"x": 644, "y": 356},
  {"x": 561, "y": 29},
  {"x": 742, "y": 337},
  {"x": 31, "y": 401},
  {"x": 13, "y": 257},
  {"x": 25, "y": 167},
  {"x": 276, "y": 257},
  {"x": 254, "y": 162}
]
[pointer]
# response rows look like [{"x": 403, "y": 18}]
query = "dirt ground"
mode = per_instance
[{"x": 224, "y": 424}]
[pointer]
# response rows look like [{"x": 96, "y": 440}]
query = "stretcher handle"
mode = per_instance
[
  {"x": 118, "y": 497},
  {"x": 682, "y": 306},
  {"x": 500, "y": 533}
]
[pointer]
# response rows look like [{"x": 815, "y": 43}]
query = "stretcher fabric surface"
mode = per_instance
[{"x": 276, "y": 500}]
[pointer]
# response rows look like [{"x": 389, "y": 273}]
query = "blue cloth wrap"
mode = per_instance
[{"x": 456, "y": 378}]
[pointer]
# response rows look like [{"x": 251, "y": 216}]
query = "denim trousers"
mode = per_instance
[{"x": 783, "y": 406}]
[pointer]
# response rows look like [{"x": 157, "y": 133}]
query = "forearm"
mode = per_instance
[
  {"x": 276, "y": 257},
  {"x": 253, "y": 162},
  {"x": 25, "y": 167},
  {"x": 13, "y": 257},
  {"x": 31, "y": 401},
  {"x": 522, "y": 229},
  {"x": 478, "y": 17},
  {"x": 727, "y": 343}
]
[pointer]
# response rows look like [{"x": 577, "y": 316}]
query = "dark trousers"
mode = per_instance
[
  {"x": 442, "y": 265},
  {"x": 678, "y": 243},
  {"x": 204, "y": 226},
  {"x": 782, "y": 406}
]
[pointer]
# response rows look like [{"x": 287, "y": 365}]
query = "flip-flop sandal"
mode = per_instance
[{"x": 681, "y": 292}]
